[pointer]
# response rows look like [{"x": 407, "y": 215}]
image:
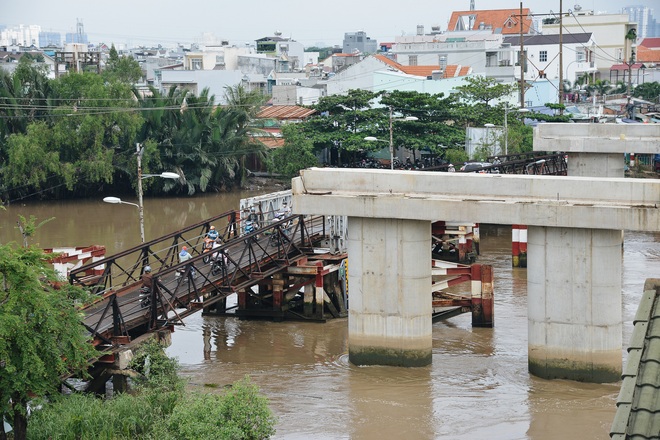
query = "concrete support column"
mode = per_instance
[
  {"x": 595, "y": 164},
  {"x": 389, "y": 319},
  {"x": 574, "y": 304}
]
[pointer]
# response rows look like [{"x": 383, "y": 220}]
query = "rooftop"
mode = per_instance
[{"x": 638, "y": 405}]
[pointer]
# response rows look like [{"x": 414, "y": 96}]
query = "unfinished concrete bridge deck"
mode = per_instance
[{"x": 574, "y": 249}]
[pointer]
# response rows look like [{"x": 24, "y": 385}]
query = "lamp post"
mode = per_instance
[
  {"x": 139, "y": 205},
  {"x": 391, "y": 120}
]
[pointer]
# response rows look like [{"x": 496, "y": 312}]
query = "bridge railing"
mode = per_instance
[{"x": 243, "y": 261}]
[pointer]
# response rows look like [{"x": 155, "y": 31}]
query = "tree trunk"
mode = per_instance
[{"x": 20, "y": 419}]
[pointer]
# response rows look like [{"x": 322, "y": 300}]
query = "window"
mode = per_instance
[
  {"x": 197, "y": 64},
  {"x": 412, "y": 60},
  {"x": 543, "y": 56},
  {"x": 619, "y": 54}
]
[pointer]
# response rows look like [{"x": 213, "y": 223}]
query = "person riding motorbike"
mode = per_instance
[
  {"x": 183, "y": 257},
  {"x": 213, "y": 234},
  {"x": 219, "y": 258},
  {"x": 147, "y": 285}
]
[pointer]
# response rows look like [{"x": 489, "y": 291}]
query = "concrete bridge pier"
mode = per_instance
[
  {"x": 574, "y": 304},
  {"x": 390, "y": 280}
]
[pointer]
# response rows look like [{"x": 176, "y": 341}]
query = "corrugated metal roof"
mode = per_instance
[
  {"x": 638, "y": 405},
  {"x": 549, "y": 39},
  {"x": 284, "y": 112}
]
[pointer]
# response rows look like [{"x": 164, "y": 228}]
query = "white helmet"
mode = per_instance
[{"x": 147, "y": 269}]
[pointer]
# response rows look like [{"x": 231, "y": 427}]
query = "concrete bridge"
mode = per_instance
[{"x": 574, "y": 248}]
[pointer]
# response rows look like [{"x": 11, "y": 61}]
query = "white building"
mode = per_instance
[
  {"x": 20, "y": 35},
  {"x": 608, "y": 33},
  {"x": 541, "y": 60}
]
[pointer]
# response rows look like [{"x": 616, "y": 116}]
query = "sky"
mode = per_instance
[{"x": 138, "y": 22}]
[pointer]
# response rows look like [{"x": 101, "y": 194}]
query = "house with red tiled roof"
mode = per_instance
[
  {"x": 648, "y": 51},
  {"x": 381, "y": 73},
  {"x": 482, "y": 48},
  {"x": 498, "y": 21}
]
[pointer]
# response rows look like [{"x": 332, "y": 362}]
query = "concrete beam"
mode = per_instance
[
  {"x": 554, "y": 201},
  {"x": 597, "y": 138}
]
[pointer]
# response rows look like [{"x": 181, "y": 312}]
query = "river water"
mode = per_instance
[{"x": 477, "y": 387}]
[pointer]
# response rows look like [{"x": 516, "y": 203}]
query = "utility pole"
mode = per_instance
[
  {"x": 629, "y": 105},
  {"x": 561, "y": 58},
  {"x": 391, "y": 142},
  {"x": 140, "y": 150},
  {"x": 521, "y": 59}
]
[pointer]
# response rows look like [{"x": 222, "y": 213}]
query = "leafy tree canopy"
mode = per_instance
[
  {"x": 41, "y": 334},
  {"x": 483, "y": 89}
]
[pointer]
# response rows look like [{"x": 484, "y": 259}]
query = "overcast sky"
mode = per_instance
[{"x": 309, "y": 22}]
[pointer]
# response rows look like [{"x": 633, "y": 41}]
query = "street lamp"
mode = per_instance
[
  {"x": 140, "y": 206},
  {"x": 392, "y": 119}
]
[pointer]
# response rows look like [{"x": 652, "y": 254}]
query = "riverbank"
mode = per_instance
[{"x": 273, "y": 184}]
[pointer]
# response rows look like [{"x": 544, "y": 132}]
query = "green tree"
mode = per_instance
[
  {"x": 124, "y": 69},
  {"x": 41, "y": 335},
  {"x": 649, "y": 91},
  {"x": 342, "y": 123},
  {"x": 483, "y": 89},
  {"x": 433, "y": 131},
  {"x": 295, "y": 155},
  {"x": 158, "y": 408}
]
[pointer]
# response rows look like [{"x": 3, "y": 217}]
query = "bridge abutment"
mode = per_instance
[
  {"x": 574, "y": 304},
  {"x": 390, "y": 280}
]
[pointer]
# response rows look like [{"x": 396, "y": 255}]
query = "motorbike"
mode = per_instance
[
  {"x": 206, "y": 249},
  {"x": 275, "y": 238},
  {"x": 219, "y": 263},
  {"x": 145, "y": 297},
  {"x": 249, "y": 227}
]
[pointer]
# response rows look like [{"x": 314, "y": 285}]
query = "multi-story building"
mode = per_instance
[
  {"x": 283, "y": 48},
  {"x": 647, "y": 26},
  {"x": 21, "y": 35},
  {"x": 359, "y": 42},
  {"x": 541, "y": 56},
  {"x": 608, "y": 32},
  {"x": 50, "y": 39},
  {"x": 473, "y": 38}
]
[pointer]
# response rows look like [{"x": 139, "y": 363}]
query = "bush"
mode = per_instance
[{"x": 158, "y": 409}]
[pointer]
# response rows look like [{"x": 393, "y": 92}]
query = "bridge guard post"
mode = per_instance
[
  {"x": 574, "y": 304},
  {"x": 390, "y": 316},
  {"x": 308, "y": 300}
]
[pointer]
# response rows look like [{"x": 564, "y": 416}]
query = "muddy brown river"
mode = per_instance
[{"x": 477, "y": 387}]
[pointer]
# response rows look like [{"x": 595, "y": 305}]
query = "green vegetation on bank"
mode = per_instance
[
  {"x": 42, "y": 340},
  {"x": 76, "y": 135},
  {"x": 157, "y": 408}
]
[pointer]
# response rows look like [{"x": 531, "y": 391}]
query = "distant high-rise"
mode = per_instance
[
  {"x": 50, "y": 39},
  {"x": 647, "y": 26},
  {"x": 359, "y": 42},
  {"x": 79, "y": 36}
]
